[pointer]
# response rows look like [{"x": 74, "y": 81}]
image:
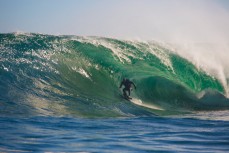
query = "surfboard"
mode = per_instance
[
  {"x": 139, "y": 102},
  {"x": 127, "y": 98},
  {"x": 136, "y": 101},
  {"x": 133, "y": 100}
]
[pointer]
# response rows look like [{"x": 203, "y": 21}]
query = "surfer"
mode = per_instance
[{"x": 127, "y": 87}]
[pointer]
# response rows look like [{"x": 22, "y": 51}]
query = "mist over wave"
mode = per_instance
[{"x": 62, "y": 75}]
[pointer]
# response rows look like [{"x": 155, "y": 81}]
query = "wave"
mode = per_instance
[{"x": 72, "y": 75}]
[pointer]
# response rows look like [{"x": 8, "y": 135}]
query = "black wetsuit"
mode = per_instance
[{"x": 127, "y": 84}]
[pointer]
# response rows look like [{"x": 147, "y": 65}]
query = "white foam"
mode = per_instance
[
  {"x": 210, "y": 58},
  {"x": 164, "y": 57},
  {"x": 121, "y": 54},
  {"x": 5, "y": 68},
  {"x": 82, "y": 72},
  {"x": 140, "y": 103}
]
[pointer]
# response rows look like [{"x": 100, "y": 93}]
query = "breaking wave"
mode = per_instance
[{"x": 71, "y": 75}]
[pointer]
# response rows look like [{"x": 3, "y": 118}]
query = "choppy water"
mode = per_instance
[{"x": 144, "y": 134}]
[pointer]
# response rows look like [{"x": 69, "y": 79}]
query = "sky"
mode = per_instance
[
  {"x": 185, "y": 22},
  {"x": 165, "y": 20}
]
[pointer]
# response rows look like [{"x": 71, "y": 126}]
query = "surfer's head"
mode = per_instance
[{"x": 125, "y": 79}]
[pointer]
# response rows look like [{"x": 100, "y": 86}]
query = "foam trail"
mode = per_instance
[{"x": 140, "y": 103}]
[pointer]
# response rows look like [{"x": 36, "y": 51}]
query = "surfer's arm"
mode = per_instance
[
  {"x": 133, "y": 85},
  {"x": 121, "y": 85}
]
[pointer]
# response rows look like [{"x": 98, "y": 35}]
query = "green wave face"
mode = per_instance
[{"x": 81, "y": 76}]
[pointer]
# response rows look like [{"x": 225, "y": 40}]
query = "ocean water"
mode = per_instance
[
  {"x": 61, "y": 94},
  {"x": 141, "y": 134}
]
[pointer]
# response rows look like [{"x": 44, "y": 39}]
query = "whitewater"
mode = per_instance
[{"x": 61, "y": 94}]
